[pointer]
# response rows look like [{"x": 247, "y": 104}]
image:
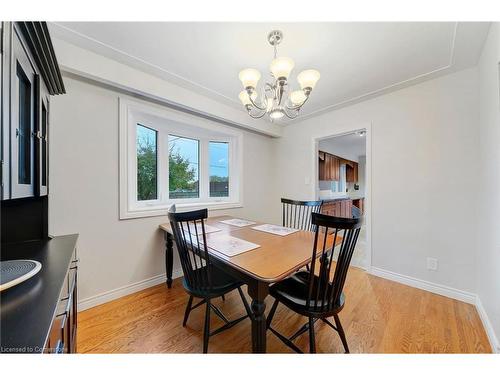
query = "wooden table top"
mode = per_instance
[{"x": 275, "y": 259}]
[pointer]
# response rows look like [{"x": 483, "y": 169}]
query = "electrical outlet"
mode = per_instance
[{"x": 432, "y": 264}]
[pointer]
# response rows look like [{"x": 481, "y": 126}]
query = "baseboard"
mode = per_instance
[
  {"x": 111, "y": 295},
  {"x": 488, "y": 327},
  {"x": 442, "y": 290}
]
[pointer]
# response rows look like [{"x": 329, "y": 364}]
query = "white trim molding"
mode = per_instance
[
  {"x": 440, "y": 289},
  {"x": 122, "y": 291},
  {"x": 488, "y": 327}
]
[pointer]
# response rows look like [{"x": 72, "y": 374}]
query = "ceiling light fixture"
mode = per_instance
[{"x": 277, "y": 99}]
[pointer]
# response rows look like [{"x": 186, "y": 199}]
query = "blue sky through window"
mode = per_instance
[
  {"x": 188, "y": 149},
  {"x": 219, "y": 155}
]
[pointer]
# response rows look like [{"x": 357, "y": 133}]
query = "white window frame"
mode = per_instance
[{"x": 169, "y": 122}]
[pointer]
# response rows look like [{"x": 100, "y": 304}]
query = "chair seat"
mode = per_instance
[
  {"x": 222, "y": 283},
  {"x": 293, "y": 293}
]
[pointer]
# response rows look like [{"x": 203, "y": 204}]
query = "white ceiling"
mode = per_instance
[
  {"x": 349, "y": 146},
  {"x": 356, "y": 60}
]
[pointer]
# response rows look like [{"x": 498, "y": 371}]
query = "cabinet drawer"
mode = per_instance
[{"x": 62, "y": 336}]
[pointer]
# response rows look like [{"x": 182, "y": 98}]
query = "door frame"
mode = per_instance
[{"x": 337, "y": 132}]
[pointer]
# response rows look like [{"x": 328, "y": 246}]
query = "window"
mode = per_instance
[
  {"x": 340, "y": 185},
  {"x": 147, "y": 165},
  {"x": 183, "y": 167},
  {"x": 219, "y": 169},
  {"x": 169, "y": 157}
]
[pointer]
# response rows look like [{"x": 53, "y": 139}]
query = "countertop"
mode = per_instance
[
  {"x": 27, "y": 309},
  {"x": 328, "y": 200}
]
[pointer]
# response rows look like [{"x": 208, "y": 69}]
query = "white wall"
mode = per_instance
[
  {"x": 488, "y": 254},
  {"x": 361, "y": 176},
  {"x": 84, "y": 191},
  {"x": 424, "y": 174}
]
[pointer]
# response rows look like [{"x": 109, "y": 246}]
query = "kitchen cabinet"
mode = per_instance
[
  {"x": 359, "y": 203},
  {"x": 328, "y": 167},
  {"x": 321, "y": 166},
  {"x": 338, "y": 208},
  {"x": 351, "y": 172}
]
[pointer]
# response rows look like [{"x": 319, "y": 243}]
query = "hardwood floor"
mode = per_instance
[{"x": 380, "y": 316}]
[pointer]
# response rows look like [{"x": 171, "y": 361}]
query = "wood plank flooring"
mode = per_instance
[{"x": 380, "y": 316}]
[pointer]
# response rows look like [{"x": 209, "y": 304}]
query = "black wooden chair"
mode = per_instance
[
  {"x": 318, "y": 295},
  {"x": 297, "y": 214},
  {"x": 201, "y": 278}
]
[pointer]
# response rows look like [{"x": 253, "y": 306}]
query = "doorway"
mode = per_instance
[{"x": 343, "y": 181}]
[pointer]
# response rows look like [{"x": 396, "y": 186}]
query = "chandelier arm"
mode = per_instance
[
  {"x": 269, "y": 88},
  {"x": 255, "y": 104},
  {"x": 256, "y": 115},
  {"x": 290, "y": 116},
  {"x": 299, "y": 106}
]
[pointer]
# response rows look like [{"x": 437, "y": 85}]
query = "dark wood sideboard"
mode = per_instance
[{"x": 40, "y": 314}]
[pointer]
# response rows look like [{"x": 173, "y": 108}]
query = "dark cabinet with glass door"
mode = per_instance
[
  {"x": 23, "y": 113},
  {"x": 29, "y": 78}
]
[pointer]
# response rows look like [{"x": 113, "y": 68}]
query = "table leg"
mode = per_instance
[
  {"x": 258, "y": 292},
  {"x": 169, "y": 257}
]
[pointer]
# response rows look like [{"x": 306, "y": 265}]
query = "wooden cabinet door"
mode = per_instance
[
  {"x": 351, "y": 172},
  {"x": 321, "y": 169},
  {"x": 343, "y": 208},
  {"x": 328, "y": 167},
  {"x": 335, "y": 169},
  {"x": 348, "y": 208},
  {"x": 321, "y": 165}
]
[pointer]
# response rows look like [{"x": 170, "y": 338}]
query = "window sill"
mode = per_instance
[{"x": 180, "y": 207}]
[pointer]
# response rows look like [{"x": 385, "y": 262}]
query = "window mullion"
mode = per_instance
[
  {"x": 204, "y": 169},
  {"x": 163, "y": 165}
]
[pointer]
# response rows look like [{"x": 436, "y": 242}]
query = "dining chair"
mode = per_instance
[
  {"x": 318, "y": 294},
  {"x": 202, "y": 279},
  {"x": 297, "y": 214}
]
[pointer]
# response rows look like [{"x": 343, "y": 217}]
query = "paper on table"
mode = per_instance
[
  {"x": 275, "y": 229},
  {"x": 238, "y": 222},
  {"x": 229, "y": 245}
]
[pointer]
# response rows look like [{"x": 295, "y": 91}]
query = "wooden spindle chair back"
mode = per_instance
[
  {"x": 297, "y": 214},
  {"x": 325, "y": 289},
  {"x": 190, "y": 237}
]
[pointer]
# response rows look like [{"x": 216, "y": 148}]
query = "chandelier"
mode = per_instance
[{"x": 277, "y": 99}]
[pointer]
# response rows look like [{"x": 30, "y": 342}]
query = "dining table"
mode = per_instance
[{"x": 276, "y": 258}]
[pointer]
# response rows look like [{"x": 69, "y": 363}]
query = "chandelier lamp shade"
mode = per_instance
[{"x": 276, "y": 99}]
